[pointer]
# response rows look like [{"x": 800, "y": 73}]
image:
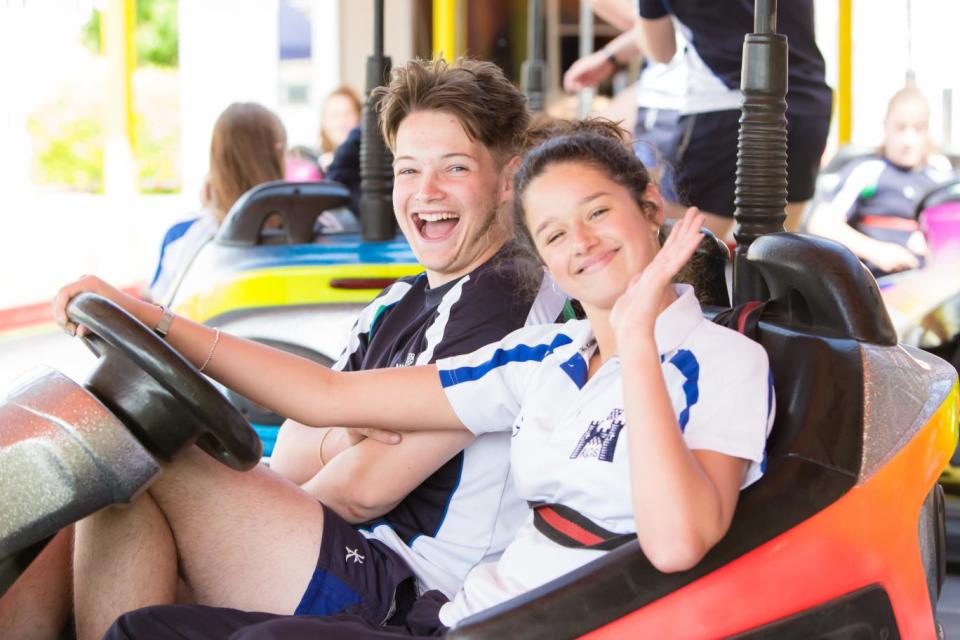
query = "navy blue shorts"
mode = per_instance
[
  {"x": 196, "y": 622},
  {"x": 699, "y": 153},
  {"x": 358, "y": 583},
  {"x": 355, "y": 574}
]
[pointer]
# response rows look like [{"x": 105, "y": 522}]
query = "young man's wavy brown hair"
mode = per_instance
[{"x": 487, "y": 105}]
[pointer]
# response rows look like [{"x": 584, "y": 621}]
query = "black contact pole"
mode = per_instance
[
  {"x": 376, "y": 162},
  {"x": 533, "y": 72},
  {"x": 761, "y": 188}
]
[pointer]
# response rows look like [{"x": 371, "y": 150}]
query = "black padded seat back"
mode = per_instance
[
  {"x": 818, "y": 286},
  {"x": 298, "y": 204},
  {"x": 818, "y": 384},
  {"x": 941, "y": 194}
]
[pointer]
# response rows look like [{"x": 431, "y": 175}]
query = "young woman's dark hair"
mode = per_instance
[{"x": 596, "y": 142}]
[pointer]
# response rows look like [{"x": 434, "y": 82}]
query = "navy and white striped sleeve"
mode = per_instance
[
  {"x": 352, "y": 358},
  {"x": 486, "y": 388}
]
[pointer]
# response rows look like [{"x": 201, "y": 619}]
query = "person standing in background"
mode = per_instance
[
  {"x": 692, "y": 116},
  {"x": 339, "y": 114}
]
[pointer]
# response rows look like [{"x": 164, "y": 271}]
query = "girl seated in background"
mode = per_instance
[
  {"x": 247, "y": 149},
  {"x": 871, "y": 210},
  {"x": 644, "y": 419}
]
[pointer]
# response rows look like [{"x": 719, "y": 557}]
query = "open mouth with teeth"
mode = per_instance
[{"x": 436, "y": 226}]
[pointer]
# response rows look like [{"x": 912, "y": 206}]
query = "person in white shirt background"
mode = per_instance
[{"x": 246, "y": 149}]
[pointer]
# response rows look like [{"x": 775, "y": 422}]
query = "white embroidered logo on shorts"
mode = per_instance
[{"x": 353, "y": 554}]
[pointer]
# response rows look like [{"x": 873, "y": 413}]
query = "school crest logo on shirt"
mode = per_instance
[{"x": 600, "y": 439}]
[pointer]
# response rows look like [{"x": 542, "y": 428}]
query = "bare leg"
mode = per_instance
[
  {"x": 124, "y": 559},
  {"x": 245, "y": 540},
  {"x": 242, "y": 540},
  {"x": 37, "y": 605}
]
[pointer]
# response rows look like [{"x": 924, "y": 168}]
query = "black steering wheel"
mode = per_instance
[{"x": 160, "y": 396}]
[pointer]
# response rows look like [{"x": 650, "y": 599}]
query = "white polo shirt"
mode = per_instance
[
  {"x": 181, "y": 244},
  {"x": 569, "y": 434}
]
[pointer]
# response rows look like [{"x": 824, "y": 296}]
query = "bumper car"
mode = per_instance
[
  {"x": 297, "y": 286},
  {"x": 297, "y": 282},
  {"x": 844, "y": 535},
  {"x": 925, "y": 307},
  {"x": 68, "y": 449},
  {"x": 924, "y": 304},
  {"x": 842, "y": 538}
]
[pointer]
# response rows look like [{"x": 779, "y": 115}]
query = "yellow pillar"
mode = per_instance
[
  {"x": 447, "y": 29},
  {"x": 844, "y": 71},
  {"x": 117, "y": 23}
]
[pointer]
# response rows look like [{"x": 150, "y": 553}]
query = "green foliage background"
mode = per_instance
[
  {"x": 68, "y": 134},
  {"x": 155, "y": 35}
]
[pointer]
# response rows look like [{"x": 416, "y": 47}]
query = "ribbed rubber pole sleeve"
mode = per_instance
[
  {"x": 760, "y": 196},
  {"x": 376, "y": 162}
]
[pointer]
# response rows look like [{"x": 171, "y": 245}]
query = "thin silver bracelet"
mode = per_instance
[{"x": 213, "y": 347}]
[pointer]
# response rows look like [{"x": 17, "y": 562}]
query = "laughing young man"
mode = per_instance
[{"x": 428, "y": 508}]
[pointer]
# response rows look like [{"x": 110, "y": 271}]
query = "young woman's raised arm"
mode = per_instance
[
  {"x": 407, "y": 398},
  {"x": 692, "y": 493}
]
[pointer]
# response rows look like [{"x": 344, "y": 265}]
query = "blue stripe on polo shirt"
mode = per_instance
[
  {"x": 686, "y": 363},
  {"x": 770, "y": 392},
  {"x": 519, "y": 353},
  {"x": 173, "y": 234},
  {"x": 576, "y": 368}
]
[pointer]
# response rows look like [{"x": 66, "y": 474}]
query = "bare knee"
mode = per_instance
[{"x": 193, "y": 471}]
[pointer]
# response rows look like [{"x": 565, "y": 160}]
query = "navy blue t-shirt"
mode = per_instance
[
  {"x": 410, "y": 323},
  {"x": 879, "y": 198}
]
